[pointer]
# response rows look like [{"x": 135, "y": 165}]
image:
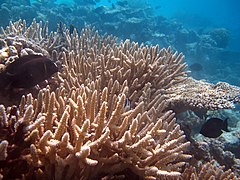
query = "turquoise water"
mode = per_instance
[
  {"x": 197, "y": 14},
  {"x": 204, "y": 14},
  {"x": 206, "y": 32}
]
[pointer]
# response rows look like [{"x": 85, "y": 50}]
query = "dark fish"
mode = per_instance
[
  {"x": 196, "y": 67},
  {"x": 213, "y": 127},
  {"x": 71, "y": 29},
  {"x": 27, "y": 71}
]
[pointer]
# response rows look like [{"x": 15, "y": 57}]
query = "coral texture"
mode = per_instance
[
  {"x": 200, "y": 95},
  {"x": 208, "y": 171},
  {"x": 110, "y": 114},
  {"x": 89, "y": 134}
]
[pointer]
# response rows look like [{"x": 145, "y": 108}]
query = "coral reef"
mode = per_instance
[
  {"x": 223, "y": 150},
  {"x": 221, "y": 36},
  {"x": 140, "y": 22},
  {"x": 208, "y": 171},
  {"x": 201, "y": 96},
  {"x": 20, "y": 40},
  {"x": 215, "y": 149},
  {"x": 82, "y": 127},
  {"x": 83, "y": 136}
]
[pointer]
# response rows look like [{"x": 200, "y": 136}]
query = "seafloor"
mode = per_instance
[{"x": 117, "y": 109}]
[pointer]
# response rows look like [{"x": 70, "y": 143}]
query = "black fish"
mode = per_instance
[
  {"x": 72, "y": 28},
  {"x": 196, "y": 67},
  {"x": 27, "y": 71},
  {"x": 213, "y": 127}
]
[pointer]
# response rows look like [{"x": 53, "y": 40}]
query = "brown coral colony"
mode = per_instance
[{"x": 81, "y": 127}]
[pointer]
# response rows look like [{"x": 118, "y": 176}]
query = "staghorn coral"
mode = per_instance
[
  {"x": 26, "y": 40},
  {"x": 152, "y": 71},
  {"x": 205, "y": 171},
  {"x": 3, "y": 150},
  {"x": 37, "y": 39},
  {"x": 146, "y": 71},
  {"x": 80, "y": 137},
  {"x": 82, "y": 129},
  {"x": 141, "y": 66}
]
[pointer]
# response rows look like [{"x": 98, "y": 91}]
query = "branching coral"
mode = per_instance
[
  {"x": 84, "y": 128},
  {"x": 87, "y": 138},
  {"x": 27, "y": 40},
  {"x": 208, "y": 171},
  {"x": 140, "y": 68}
]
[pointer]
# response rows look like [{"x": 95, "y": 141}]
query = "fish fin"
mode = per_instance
[{"x": 225, "y": 125}]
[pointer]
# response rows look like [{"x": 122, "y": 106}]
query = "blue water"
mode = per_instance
[
  {"x": 185, "y": 25},
  {"x": 196, "y": 14},
  {"x": 207, "y": 32},
  {"x": 204, "y": 14}
]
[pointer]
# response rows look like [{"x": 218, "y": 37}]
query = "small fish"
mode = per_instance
[
  {"x": 213, "y": 127},
  {"x": 27, "y": 71},
  {"x": 196, "y": 67},
  {"x": 127, "y": 104}
]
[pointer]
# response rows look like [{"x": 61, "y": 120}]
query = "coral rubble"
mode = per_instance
[{"x": 82, "y": 128}]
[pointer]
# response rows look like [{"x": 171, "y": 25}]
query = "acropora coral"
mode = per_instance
[{"x": 80, "y": 126}]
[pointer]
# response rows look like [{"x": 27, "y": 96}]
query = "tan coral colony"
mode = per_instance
[{"x": 111, "y": 113}]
